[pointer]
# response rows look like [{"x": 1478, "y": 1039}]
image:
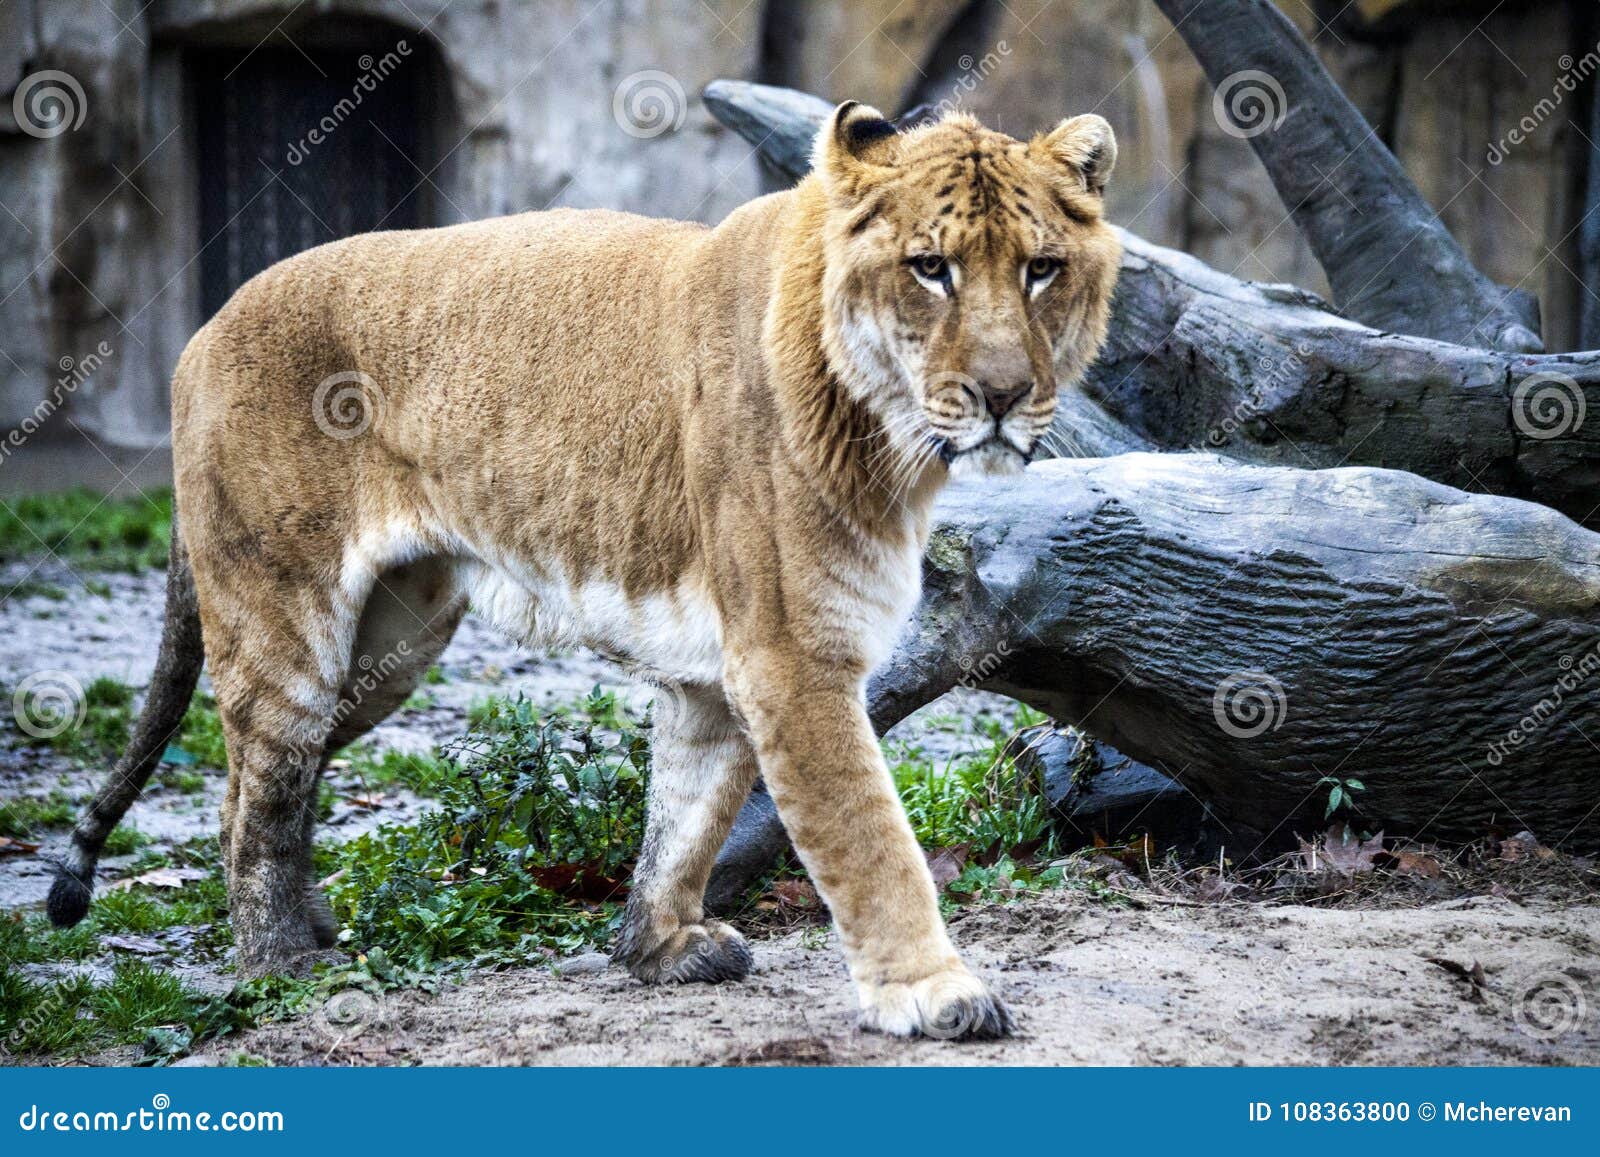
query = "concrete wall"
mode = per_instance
[{"x": 539, "y": 105}]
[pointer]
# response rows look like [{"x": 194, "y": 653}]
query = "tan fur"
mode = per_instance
[{"x": 709, "y": 453}]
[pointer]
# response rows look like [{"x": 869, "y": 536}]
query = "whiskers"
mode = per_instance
[
  {"x": 907, "y": 448},
  {"x": 1061, "y": 444}
]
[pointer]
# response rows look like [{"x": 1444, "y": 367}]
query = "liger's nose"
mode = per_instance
[{"x": 1000, "y": 399}]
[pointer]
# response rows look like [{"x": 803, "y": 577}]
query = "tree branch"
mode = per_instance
[{"x": 1391, "y": 262}]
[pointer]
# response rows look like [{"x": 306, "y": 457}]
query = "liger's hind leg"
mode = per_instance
[
  {"x": 277, "y": 670},
  {"x": 701, "y": 770}
]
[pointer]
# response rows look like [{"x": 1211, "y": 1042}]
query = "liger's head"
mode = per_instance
[{"x": 968, "y": 277}]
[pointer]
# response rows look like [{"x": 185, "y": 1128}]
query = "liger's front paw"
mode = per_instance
[
  {"x": 707, "y": 952},
  {"x": 951, "y": 1005}
]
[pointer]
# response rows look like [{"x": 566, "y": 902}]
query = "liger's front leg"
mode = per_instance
[
  {"x": 822, "y": 764},
  {"x": 701, "y": 770}
]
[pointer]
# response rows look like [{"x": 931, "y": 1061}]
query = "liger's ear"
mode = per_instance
[
  {"x": 1086, "y": 145},
  {"x": 855, "y": 140}
]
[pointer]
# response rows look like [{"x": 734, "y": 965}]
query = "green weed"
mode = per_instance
[
  {"x": 531, "y": 836},
  {"x": 200, "y": 734},
  {"x": 422, "y": 774}
]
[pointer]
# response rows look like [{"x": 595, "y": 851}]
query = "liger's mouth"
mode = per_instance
[{"x": 949, "y": 453}]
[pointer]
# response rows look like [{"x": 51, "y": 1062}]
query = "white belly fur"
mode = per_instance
[
  {"x": 676, "y": 636},
  {"x": 671, "y": 636}
]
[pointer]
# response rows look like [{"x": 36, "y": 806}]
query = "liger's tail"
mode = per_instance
[{"x": 171, "y": 687}]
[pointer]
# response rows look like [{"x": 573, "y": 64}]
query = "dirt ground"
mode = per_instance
[
  {"x": 1152, "y": 979},
  {"x": 1208, "y": 985}
]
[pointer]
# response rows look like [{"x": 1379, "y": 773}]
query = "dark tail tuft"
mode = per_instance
[{"x": 69, "y": 896}]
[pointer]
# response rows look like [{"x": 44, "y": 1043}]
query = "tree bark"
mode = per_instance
[{"x": 1391, "y": 262}]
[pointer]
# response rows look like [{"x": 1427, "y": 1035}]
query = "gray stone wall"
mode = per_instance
[{"x": 574, "y": 103}]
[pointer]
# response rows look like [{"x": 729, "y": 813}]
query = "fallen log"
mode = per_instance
[
  {"x": 1271, "y": 374},
  {"x": 1390, "y": 261},
  {"x": 1248, "y": 631}
]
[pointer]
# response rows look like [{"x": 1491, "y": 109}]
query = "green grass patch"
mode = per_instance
[
  {"x": 73, "y": 1016},
  {"x": 31, "y": 588},
  {"x": 30, "y": 938},
  {"x": 107, "y": 720},
  {"x": 990, "y": 814},
  {"x": 89, "y": 531},
  {"x": 31, "y": 816}
]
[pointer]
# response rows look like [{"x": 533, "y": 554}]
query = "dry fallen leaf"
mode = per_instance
[
  {"x": 792, "y": 893},
  {"x": 1342, "y": 851},
  {"x": 158, "y": 878},
  {"x": 142, "y": 945},
  {"x": 17, "y": 847},
  {"x": 1521, "y": 846},
  {"x": 579, "y": 882},
  {"x": 1473, "y": 976},
  {"x": 1414, "y": 864},
  {"x": 947, "y": 864}
]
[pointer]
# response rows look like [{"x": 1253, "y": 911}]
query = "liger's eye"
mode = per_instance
[
  {"x": 931, "y": 267},
  {"x": 1042, "y": 269}
]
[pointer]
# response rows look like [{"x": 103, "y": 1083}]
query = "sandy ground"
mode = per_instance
[
  {"x": 1211, "y": 985},
  {"x": 1168, "y": 981}
]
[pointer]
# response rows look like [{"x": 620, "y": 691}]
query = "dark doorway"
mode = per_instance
[{"x": 302, "y": 145}]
